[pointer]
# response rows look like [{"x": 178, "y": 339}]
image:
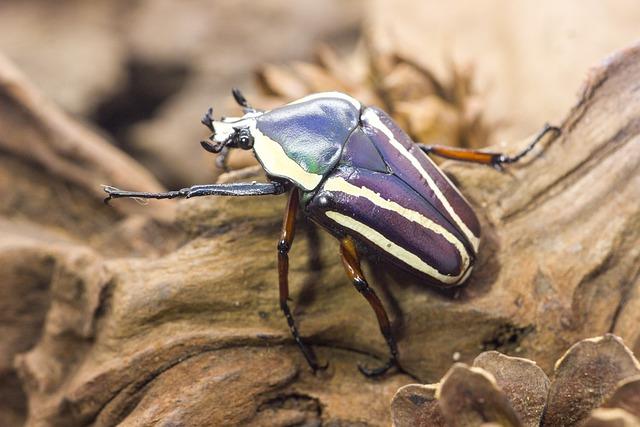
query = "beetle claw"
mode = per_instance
[
  {"x": 498, "y": 166},
  {"x": 376, "y": 372},
  {"x": 315, "y": 367},
  {"x": 311, "y": 359},
  {"x": 109, "y": 190}
]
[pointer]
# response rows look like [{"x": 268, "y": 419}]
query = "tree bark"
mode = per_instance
[{"x": 195, "y": 336}]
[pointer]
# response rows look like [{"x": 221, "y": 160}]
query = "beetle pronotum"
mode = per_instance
[{"x": 354, "y": 172}]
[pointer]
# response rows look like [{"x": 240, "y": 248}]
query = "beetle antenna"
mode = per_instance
[
  {"x": 207, "y": 119},
  {"x": 242, "y": 101}
]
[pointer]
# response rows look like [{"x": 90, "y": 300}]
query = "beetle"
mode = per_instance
[{"x": 353, "y": 171}]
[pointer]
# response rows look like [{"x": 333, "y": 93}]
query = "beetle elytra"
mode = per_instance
[{"x": 352, "y": 170}]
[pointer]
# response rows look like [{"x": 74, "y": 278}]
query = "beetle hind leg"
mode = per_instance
[
  {"x": 491, "y": 158},
  {"x": 351, "y": 264},
  {"x": 284, "y": 245}
]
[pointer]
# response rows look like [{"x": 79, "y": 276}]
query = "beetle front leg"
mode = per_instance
[
  {"x": 352, "y": 266},
  {"x": 221, "y": 160},
  {"x": 233, "y": 189},
  {"x": 284, "y": 245},
  {"x": 486, "y": 157}
]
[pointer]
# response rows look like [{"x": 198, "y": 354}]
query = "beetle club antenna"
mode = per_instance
[
  {"x": 207, "y": 119},
  {"x": 242, "y": 101}
]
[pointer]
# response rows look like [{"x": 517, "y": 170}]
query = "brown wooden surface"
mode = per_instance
[{"x": 111, "y": 324}]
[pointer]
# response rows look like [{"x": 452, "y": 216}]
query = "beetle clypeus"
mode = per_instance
[{"x": 358, "y": 175}]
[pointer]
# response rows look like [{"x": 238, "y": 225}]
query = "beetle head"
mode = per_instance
[{"x": 231, "y": 132}]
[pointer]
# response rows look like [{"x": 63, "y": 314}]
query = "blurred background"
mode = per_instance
[
  {"x": 142, "y": 73},
  {"x": 112, "y": 92}
]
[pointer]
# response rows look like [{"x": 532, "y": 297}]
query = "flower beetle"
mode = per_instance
[{"x": 353, "y": 171}]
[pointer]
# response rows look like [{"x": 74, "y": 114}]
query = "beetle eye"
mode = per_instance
[{"x": 245, "y": 140}]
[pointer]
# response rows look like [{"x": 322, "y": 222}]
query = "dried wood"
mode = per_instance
[{"x": 196, "y": 336}]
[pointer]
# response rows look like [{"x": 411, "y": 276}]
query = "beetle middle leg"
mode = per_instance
[
  {"x": 351, "y": 263},
  {"x": 487, "y": 157},
  {"x": 284, "y": 245}
]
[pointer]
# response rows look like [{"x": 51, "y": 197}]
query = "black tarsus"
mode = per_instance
[
  {"x": 234, "y": 189},
  {"x": 490, "y": 158},
  {"x": 504, "y": 159},
  {"x": 351, "y": 262},
  {"x": 381, "y": 370},
  {"x": 365, "y": 290}
]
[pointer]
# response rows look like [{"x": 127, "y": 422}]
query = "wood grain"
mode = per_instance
[{"x": 194, "y": 335}]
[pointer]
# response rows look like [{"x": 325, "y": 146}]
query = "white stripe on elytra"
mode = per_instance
[
  {"x": 276, "y": 162},
  {"x": 397, "y": 251},
  {"x": 340, "y": 95},
  {"x": 341, "y": 185},
  {"x": 375, "y": 121}
]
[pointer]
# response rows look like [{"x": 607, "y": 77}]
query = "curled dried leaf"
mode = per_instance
[
  {"x": 524, "y": 383},
  {"x": 280, "y": 82},
  {"x": 470, "y": 396},
  {"x": 415, "y": 405},
  {"x": 626, "y": 396},
  {"x": 432, "y": 111},
  {"x": 316, "y": 78},
  {"x": 611, "y": 418},
  {"x": 429, "y": 119},
  {"x": 585, "y": 376}
]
